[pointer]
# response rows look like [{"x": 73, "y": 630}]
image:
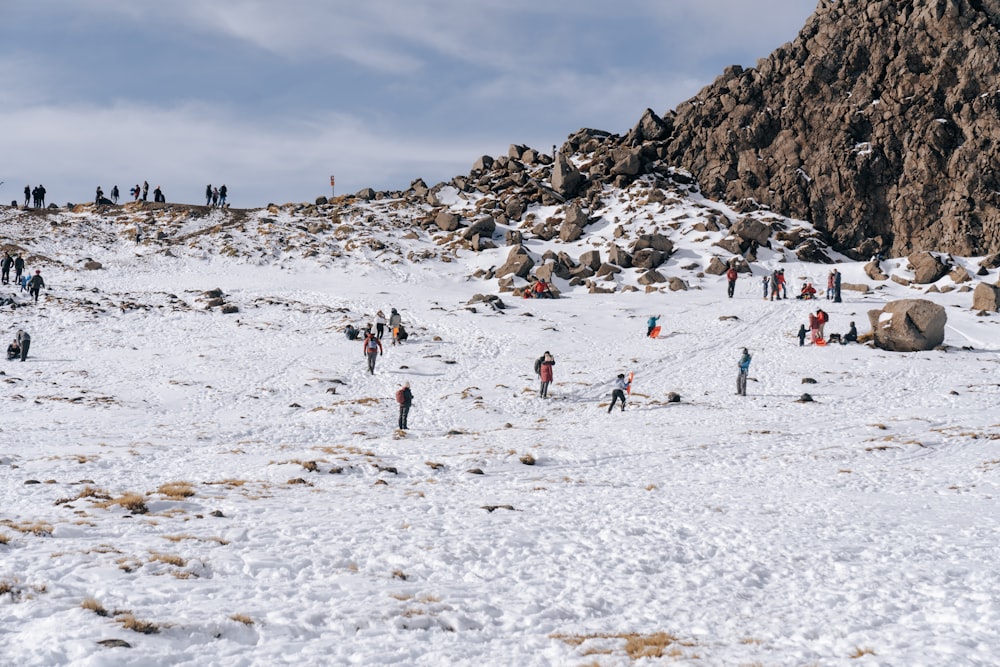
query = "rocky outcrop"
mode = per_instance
[
  {"x": 878, "y": 123},
  {"x": 909, "y": 325},
  {"x": 519, "y": 263},
  {"x": 986, "y": 297}
]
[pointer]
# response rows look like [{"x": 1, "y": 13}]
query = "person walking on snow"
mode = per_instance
[
  {"x": 802, "y": 335},
  {"x": 35, "y": 285},
  {"x": 380, "y": 324},
  {"x": 731, "y": 276},
  {"x": 23, "y": 342},
  {"x": 651, "y": 324},
  {"x": 766, "y": 281},
  {"x": 545, "y": 373},
  {"x": 618, "y": 393},
  {"x": 373, "y": 348},
  {"x": 99, "y": 196},
  {"x": 114, "y": 194},
  {"x": 821, "y": 318},
  {"x": 405, "y": 399},
  {"x": 18, "y": 268},
  {"x": 223, "y": 191},
  {"x": 208, "y": 195},
  {"x": 395, "y": 321},
  {"x": 27, "y": 195},
  {"x": 741, "y": 379}
]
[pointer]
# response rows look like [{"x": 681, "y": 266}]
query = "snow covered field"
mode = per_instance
[{"x": 286, "y": 522}]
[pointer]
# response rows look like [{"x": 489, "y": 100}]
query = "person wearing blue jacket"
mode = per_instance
[
  {"x": 741, "y": 379},
  {"x": 651, "y": 324}
]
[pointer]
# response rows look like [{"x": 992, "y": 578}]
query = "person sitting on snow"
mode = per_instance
[
  {"x": 808, "y": 291},
  {"x": 13, "y": 351}
]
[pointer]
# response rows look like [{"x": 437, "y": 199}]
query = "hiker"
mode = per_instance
[
  {"x": 145, "y": 189},
  {"x": 822, "y": 318},
  {"x": 41, "y": 196},
  {"x": 731, "y": 276},
  {"x": 138, "y": 234},
  {"x": 802, "y": 335},
  {"x": 5, "y": 265},
  {"x": 543, "y": 367},
  {"x": 808, "y": 291},
  {"x": 783, "y": 283},
  {"x": 618, "y": 393},
  {"x": 114, "y": 195},
  {"x": 394, "y": 321},
  {"x": 351, "y": 332},
  {"x": 35, "y": 284},
  {"x": 542, "y": 290},
  {"x": 223, "y": 191},
  {"x": 814, "y": 334},
  {"x": 372, "y": 348},
  {"x": 836, "y": 286},
  {"x": 13, "y": 350},
  {"x": 208, "y": 195},
  {"x": 741, "y": 379},
  {"x": 651, "y": 324},
  {"x": 99, "y": 196},
  {"x": 215, "y": 196},
  {"x": 775, "y": 286},
  {"x": 158, "y": 195},
  {"x": 851, "y": 336},
  {"x": 23, "y": 343},
  {"x": 766, "y": 280},
  {"x": 18, "y": 268},
  {"x": 27, "y": 195},
  {"x": 405, "y": 399},
  {"x": 380, "y": 324},
  {"x": 136, "y": 191}
]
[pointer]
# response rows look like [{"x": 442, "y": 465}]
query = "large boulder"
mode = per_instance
[
  {"x": 986, "y": 297},
  {"x": 591, "y": 258},
  {"x": 447, "y": 221},
  {"x": 654, "y": 241},
  {"x": 716, "y": 267},
  {"x": 569, "y": 232},
  {"x": 908, "y": 325},
  {"x": 648, "y": 259},
  {"x": 566, "y": 178},
  {"x": 619, "y": 257},
  {"x": 750, "y": 229},
  {"x": 927, "y": 267},
  {"x": 651, "y": 277},
  {"x": 519, "y": 263},
  {"x": 576, "y": 216},
  {"x": 482, "y": 226},
  {"x": 874, "y": 271}
]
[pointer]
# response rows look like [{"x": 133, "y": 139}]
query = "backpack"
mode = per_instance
[
  {"x": 538, "y": 365},
  {"x": 400, "y": 398},
  {"x": 371, "y": 343}
]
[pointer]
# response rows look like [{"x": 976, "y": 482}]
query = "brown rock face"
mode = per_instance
[{"x": 880, "y": 124}]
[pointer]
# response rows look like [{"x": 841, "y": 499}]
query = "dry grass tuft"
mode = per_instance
[
  {"x": 241, "y": 618},
  {"x": 169, "y": 559},
  {"x": 637, "y": 646},
  {"x": 133, "y": 502},
  {"x": 39, "y": 528},
  {"x": 399, "y": 574},
  {"x": 176, "y": 490},
  {"x": 6, "y": 587},
  {"x": 860, "y": 651},
  {"x": 231, "y": 483},
  {"x": 4, "y": 539},
  {"x": 130, "y": 622},
  {"x": 93, "y": 605}
]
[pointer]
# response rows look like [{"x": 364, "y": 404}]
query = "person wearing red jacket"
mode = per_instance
[
  {"x": 545, "y": 374},
  {"x": 732, "y": 275},
  {"x": 373, "y": 348}
]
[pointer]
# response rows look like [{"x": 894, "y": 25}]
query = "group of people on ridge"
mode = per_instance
[
  {"x": 35, "y": 195},
  {"x": 216, "y": 196}
]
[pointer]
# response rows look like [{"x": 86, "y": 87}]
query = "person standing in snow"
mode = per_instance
[
  {"x": 731, "y": 275},
  {"x": 99, "y": 196},
  {"x": 223, "y": 191},
  {"x": 741, "y": 379},
  {"x": 23, "y": 342},
  {"x": 395, "y": 321},
  {"x": 208, "y": 195},
  {"x": 27, "y": 195},
  {"x": 18, "y": 268},
  {"x": 380, "y": 323},
  {"x": 215, "y": 196},
  {"x": 372, "y": 349},
  {"x": 35, "y": 285},
  {"x": 829, "y": 285},
  {"x": 802, "y": 335},
  {"x": 5, "y": 265},
  {"x": 783, "y": 283},
  {"x": 618, "y": 393},
  {"x": 766, "y": 281},
  {"x": 651, "y": 324},
  {"x": 836, "y": 286},
  {"x": 145, "y": 190},
  {"x": 114, "y": 195},
  {"x": 136, "y": 192},
  {"x": 405, "y": 399},
  {"x": 545, "y": 373},
  {"x": 821, "y": 318}
]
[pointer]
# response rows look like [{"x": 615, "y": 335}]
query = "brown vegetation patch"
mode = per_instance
[
  {"x": 90, "y": 604},
  {"x": 176, "y": 490},
  {"x": 130, "y": 622},
  {"x": 133, "y": 502},
  {"x": 241, "y": 618},
  {"x": 39, "y": 528},
  {"x": 637, "y": 646}
]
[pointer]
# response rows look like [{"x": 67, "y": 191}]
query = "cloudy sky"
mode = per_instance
[{"x": 272, "y": 98}]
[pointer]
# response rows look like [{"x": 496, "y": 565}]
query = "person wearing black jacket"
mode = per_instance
[
  {"x": 18, "y": 268},
  {"x": 35, "y": 284},
  {"x": 5, "y": 265}
]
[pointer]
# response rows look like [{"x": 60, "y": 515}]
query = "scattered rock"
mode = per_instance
[
  {"x": 908, "y": 325},
  {"x": 808, "y": 381},
  {"x": 805, "y": 398},
  {"x": 528, "y": 460},
  {"x": 986, "y": 297},
  {"x": 114, "y": 643}
]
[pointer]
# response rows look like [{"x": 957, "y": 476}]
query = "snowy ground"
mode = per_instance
[{"x": 860, "y": 529}]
